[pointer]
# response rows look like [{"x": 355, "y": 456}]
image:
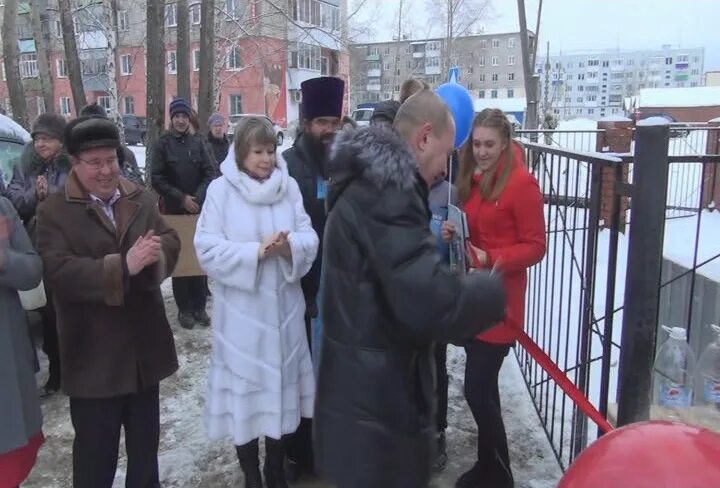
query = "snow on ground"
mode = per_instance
[
  {"x": 189, "y": 460},
  {"x": 680, "y": 235}
]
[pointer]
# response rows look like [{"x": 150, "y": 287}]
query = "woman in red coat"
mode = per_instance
[{"x": 506, "y": 222}]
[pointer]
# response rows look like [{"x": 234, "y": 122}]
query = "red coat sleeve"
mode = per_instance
[{"x": 528, "y": 212}]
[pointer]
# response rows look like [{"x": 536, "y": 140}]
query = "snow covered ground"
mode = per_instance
[{"x": 189, "y": 460}]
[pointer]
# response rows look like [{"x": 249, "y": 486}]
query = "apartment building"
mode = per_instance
[
  {"x": 596, "y": 84},
  {"x": 490, "y": 66},
  {"x": 264, "y": 50}
]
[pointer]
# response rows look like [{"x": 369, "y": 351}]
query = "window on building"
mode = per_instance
[
  {"x": 481, "y": 61},
  {"x": 324, "y": 66},
  {"x": 668, "y": 61},
  {"x": 483, "y": 43},
  {"x": 123, "y": 21},
  {"x": 579, "y": 111},
  {"x": 396, "y": 88},
  {"x": 65, "y": 106},
  {"x": 316, "y": 13},
  {"x": 195, "y": 14},
  {"x": 511, "y": 43},
  {"x": 397, "y": 72},
  {"x": 481, "y": 93},
  {"x": 307, "y": 56},
  {"x": 606, "y": 64},
  {"x": 471, "y": 70},
  {"x": 58, "y": 29},
  {"x": 569, "y": 77},
  {"x": 693, "y": 84},
  {"x": 495, "y": 43},
  {"x": 592, "y": 75},
  {"x": 125, "y": 65},
  {"x": 511, "y": 76},
  {"x": 496, "y": 61},
  {"x": 171, "y": 15},
  {"x": 234, "y": 58},
  {"x": 481, "y": 77},
  {"x": 62, "y": 71},
  {"x": 591, "y": 111},
  {"x": 28, "y": 65},
  {"x": 235, "y": 104},
  {"x": 581, "y": 76},
  {"x": 493, "y": 93},
  {"x": 568, "y": 99},
  {"x": 387, "y": 51},
  {"x": 471, "y": 86},
  {"x": 617, "y": 62},
  {"x": 105, "y": 102},
  {"x": 695, "y": 72},
  {"x": 581, "y": 88},
  {"x": 592, "y": 62},
  {"x": 495, "y": 77},
  {"x": 196, "y": 60},
  {"x": 579, "y": 99},
  {"x": 129, "y": 105},
  {"x": 510, "y": 93},
  {"x": 591, "y": 98},
  {"x": 172, "y": 62},
  {"x": 231, "y": 7},
  {"x": 387, "y": 66},
  {"x": 511, "y": 60}
]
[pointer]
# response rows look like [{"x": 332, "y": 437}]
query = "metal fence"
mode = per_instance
[{"x": 598, "y": 260}]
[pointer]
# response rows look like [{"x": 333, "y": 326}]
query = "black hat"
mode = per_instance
[
  {"x": 322, "y": 97},
  {"x": 86, "y": 133},
  {"x": 52, "y": 125},
  {"x": 93, "y": 109},
  {"x": 387, "y": 109}
]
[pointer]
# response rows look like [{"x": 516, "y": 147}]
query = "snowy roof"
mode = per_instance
[
  {"x": 701, "y": 96},
  {"x": 504, "y": 104},
  {"x": 678, "y": 232}
]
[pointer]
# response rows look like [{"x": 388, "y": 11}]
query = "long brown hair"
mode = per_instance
[{"x": 491, "y": 186}]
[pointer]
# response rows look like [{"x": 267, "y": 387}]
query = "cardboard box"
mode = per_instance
[{"x": 185, "y": 225}]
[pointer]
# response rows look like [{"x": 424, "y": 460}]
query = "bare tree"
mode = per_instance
[
  {"x": 458, "y": 18},
  {"x": 183, "y": 50},
  {"x": 531, "y": 80},
  {"x": 111, "y": 34},
  {"x": 72, "y": 59},
  {"x": 11, "y": 54},
  {"x": 155, "y": 108},
  {"x": 206, "y": 98},
  {"x": 40, "y": 29}
]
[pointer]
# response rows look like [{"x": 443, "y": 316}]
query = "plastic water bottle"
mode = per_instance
[
  {"x": 707, "y": 376},
  {"x": 673, "y": 372}
]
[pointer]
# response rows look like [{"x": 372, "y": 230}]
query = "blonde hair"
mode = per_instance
[
  {"x": 412, "y": 86},
  {"x": 490, "y": 187},
  {"x": 424, "y": 106},
  {"x": 249, "y": 131}
]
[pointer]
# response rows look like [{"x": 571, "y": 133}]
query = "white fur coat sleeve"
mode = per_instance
[
  {"x": 233, "y": 264},
  {"x": 303, "y": 240}
]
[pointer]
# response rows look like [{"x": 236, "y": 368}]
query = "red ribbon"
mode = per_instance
[{"x": 563, "y": 381}]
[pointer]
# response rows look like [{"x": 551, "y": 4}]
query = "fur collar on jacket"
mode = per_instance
[
  {"x": 267, "y": 192},
  {"x": 375, "y": 154}
]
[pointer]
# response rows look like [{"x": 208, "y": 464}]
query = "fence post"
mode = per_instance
[
  {"x": 617, "y": 138},
  {"x": 711, "y": 172},
  {"x": 644, "y": 265}
]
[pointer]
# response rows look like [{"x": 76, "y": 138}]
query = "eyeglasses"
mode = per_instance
[{"x": 97, "y": 164}]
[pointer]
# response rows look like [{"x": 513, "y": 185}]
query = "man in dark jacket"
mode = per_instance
[
  {"x": 105, "y": 251},
  {"x": 322, "y": 100},
  {"x": 128, "y": 163},
  {"x": 384, "y": 113},
  {"x": 387, "y": 297},
  {"x": 182, "y": 169},
  {"x": 217, "y": 138}
]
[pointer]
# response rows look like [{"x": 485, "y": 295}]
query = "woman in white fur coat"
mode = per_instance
[{"x": 255, "y": 241}]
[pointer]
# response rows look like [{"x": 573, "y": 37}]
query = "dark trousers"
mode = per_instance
[
  {"x": 481, "y": 392},
  {"x": 51, "y": 345},
  {"x": 97, "y": 424},
  {"x": 190, "y": 293},
  {"x": 442, "y": 386}
]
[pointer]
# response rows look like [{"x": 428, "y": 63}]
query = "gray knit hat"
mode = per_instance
[{"x": 51, "y": 125}]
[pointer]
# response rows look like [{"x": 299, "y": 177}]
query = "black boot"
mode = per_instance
[
  {"x": 474, "y": 478},
  {"x": 186, "y": 320},
  {"x": 250, "y": 464},
  {"x": 274, "y": 468}
]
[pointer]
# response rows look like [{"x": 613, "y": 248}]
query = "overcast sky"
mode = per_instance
[{"x": 578, "y": 25}]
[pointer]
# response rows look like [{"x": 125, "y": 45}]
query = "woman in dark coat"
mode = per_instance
[
  {"x": 20, "y": 428},
  {"x": 43, "y": 170}
]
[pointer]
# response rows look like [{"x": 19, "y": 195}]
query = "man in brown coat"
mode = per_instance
[{"x": 106, "y": 250}]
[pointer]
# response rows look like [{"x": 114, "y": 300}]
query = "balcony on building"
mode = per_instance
[
  {"x": 374, "y": 73},
  {"x": 418, "y": 49},
  {"x": 372, "y": 57},
  {"x": 374, "y": 87},
  {"x": 682, "y": 66}
]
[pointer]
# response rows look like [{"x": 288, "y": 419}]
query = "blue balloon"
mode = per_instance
[{"x": 458, "y": 99}]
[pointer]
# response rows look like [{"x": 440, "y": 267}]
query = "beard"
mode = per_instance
[{"x": 319, "y": 147}]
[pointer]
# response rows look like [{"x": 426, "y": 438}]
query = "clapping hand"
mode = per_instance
[
  {"x": 145, "y": 252},
  {"x": 41, "y": 187},
  {"x": 447, "y": 231},
  {"x": 276, "y": 245}
]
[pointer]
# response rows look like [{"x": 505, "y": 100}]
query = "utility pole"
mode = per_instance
[
  {"x": 397, "y": 47},
  {"x": 531, "y": 80},
  {"x": 546, "y": 98}
]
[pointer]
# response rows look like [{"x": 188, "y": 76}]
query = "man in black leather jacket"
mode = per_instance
[
  {"x": 182, "y": 168},
  {"x": 387, "y": 298}
]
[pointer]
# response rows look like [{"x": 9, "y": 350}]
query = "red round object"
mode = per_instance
[{"x": 656, "y": 454}]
